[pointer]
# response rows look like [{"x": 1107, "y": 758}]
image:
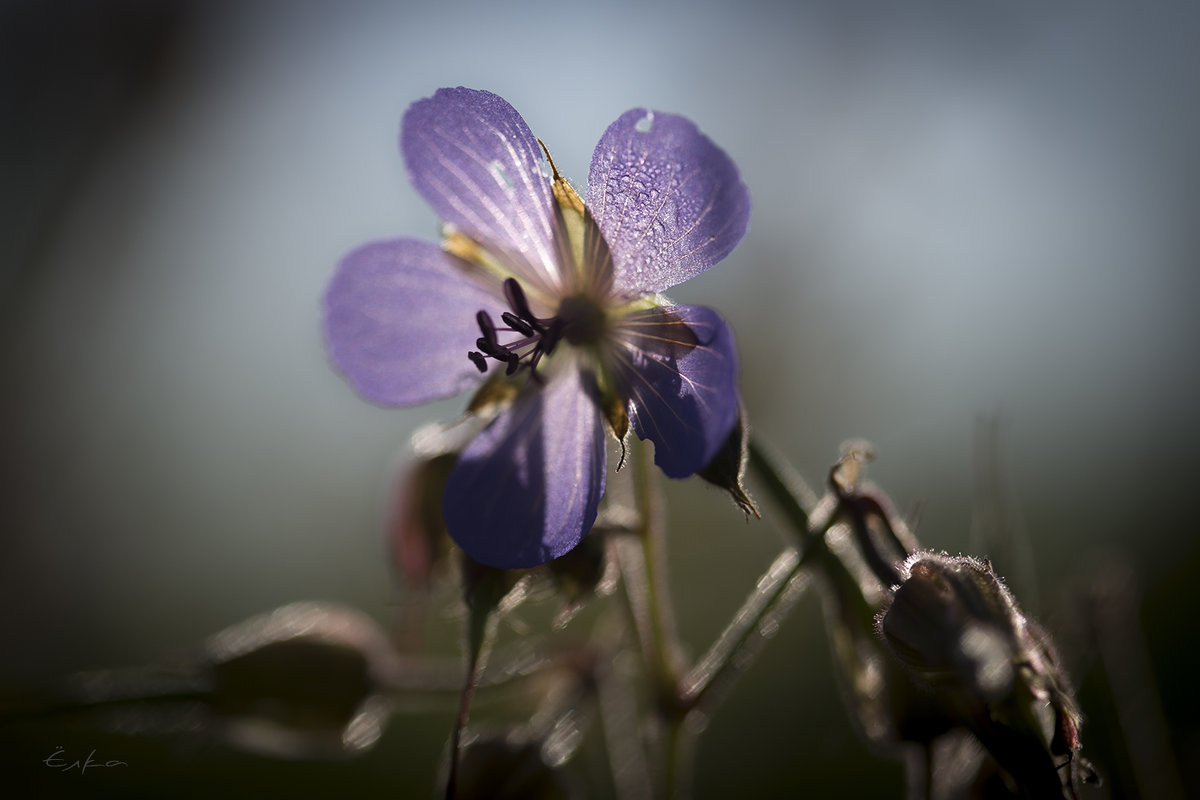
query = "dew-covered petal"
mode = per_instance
[
  {"x": 473, "y": 158},
  {"x": 669, "y": 201},
  {"x": 526, "y": 489},
  {"x": 400, "y": 320},
  {"x": 678, "y": 366}
]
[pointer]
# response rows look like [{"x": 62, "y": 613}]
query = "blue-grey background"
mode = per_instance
[{"x": 961, "y": 211}]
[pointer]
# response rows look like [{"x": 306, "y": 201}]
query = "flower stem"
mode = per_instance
[
  {"x": 773, "y": 596},
  {"x": 775, "y": 592},
  {"x": 644, "y": 576},
  {"x": 788, "y": 490},
  {"x": 483, "y": 590},
  {"x": 664, "y": 638}
]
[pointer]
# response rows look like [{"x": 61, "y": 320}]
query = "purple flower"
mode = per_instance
[{"x": 555, "y": 302}]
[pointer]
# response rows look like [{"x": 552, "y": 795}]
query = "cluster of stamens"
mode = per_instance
[{"x": 539, "y": 337}]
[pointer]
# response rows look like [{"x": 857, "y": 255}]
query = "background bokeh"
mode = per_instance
[{"x": 962, "y": 212}]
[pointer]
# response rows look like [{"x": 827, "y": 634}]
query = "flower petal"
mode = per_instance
[
  {"x": 400, "y": 320},
  {"x": 679, "y": 370},
  {"x": 473, "y": 158},
  {"x": 669, "y": 201},
  {"x": 526, "y": 490}
]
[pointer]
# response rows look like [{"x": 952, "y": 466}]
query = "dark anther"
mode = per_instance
[
  {"x": 493, "y": 349},
  {"x": 539, "y": 337},
  {"x": 516, "y": 300},
  {"x": 516, "y": 323},
  {"x": 487, "y": 328}
]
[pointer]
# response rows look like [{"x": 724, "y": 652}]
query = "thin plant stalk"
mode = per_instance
[{"x": 647, "y": 592}]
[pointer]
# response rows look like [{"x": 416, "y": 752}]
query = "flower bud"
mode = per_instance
[
  {"x": 952, "y": 623},
  {"x": 416, "y": 530},
  {"x": 959, "y": 633},
  {"x": 416, "y": 534},
  {"x": 581, "y": 574},
  {"x": 306, "y": 680}
]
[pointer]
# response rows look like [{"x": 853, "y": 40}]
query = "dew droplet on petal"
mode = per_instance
[
  {"x": 501, "y": 175},
  {"x": 644, "y": 124}
]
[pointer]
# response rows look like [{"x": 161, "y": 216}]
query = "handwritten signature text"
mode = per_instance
[{"x": 59, "y": 761}]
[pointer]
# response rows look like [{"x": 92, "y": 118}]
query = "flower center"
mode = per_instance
[
  {"x": 582, "y": 320},
  {"x": 579, "y": 320}
]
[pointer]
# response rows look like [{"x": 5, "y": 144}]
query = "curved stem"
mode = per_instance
[
  {"x": 778, "y": 588},
  {"x": 775, "y": 592},
  {"x": 787, "y": 490}
]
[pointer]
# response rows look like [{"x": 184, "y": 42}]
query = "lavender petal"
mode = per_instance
[
  {"x": 679, "y": 371},
  {"x": 669, "y": 201},
  {"x": 527, "y": 488},
  {"x": 473, "y": 158},
  {"x": 399, "y": 319}
]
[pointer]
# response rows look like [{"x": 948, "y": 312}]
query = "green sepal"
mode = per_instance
[{"x": 728, "y": 466}]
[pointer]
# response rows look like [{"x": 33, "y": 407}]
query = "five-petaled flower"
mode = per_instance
[{"x": 556, "y": 303}]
